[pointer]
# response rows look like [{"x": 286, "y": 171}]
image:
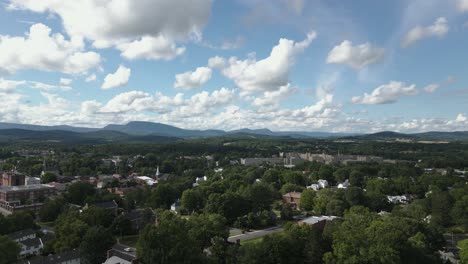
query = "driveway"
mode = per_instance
[{"x": 255, "y": 234}]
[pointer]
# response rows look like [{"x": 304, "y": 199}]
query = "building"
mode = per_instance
[
  {"x": 343, "y": 185},
  {"x": 145, "y": 180},
  {"x": 318, "y": 221},
  {"x": 397, "y": 199},
  {"x": 109, "y": 205},
  {"x": 13, "y": 178},
  {"x": 175, "y": 207},
  {"x": 121, "y": 254},
  {"x": 29, "y": 243},
  {"x": 261, "y": 161},
  {"x": 293, "y": 199},
  {"x": 24, "y": 197},
  {"x": 32, "y": 180}
]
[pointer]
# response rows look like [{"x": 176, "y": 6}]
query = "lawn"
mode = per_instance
[
  {"x": 130, "y": 241},
  {"x": 251, "y": 241}
]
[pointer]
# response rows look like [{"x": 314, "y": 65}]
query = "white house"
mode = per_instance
[
  {"x": 396, "y": 199},
  {"x": 314, "y": 186},
  {"x": 343, "y": 185},
  {"x": 30, "y": 247},
  {"x": 323, "y": 183}
]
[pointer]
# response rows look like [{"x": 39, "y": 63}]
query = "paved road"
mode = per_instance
[{"x": 255, "y": 234}]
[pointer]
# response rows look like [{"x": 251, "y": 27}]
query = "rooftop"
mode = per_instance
[{"x": 25, "y": 187}]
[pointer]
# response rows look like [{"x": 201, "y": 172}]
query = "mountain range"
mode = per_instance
[{"x": 139, "y": 131}]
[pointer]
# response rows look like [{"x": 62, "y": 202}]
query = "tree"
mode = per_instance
[
  {"x": 204, "y": 227},
  {"x": 51, "y": 209},
  {"x": 463, "y": 245},
  {"x": 459, "y": 212},
  {"x": 441, "y": 202},
  {"x": 168, "y": 242},
  {"x": 163, "y": 196},
  {"x": 9, "y": 250},
  {"x": 307, "y": 200},
  {"x": 192, "y": 200},
  {"x": 95, "y": 244},
  {"x": 95, "y": 216},
  {"x": 121, "y": 226},
  {"x": 69, "y": 229},
  {"x": 354, "y": 196},
  {"x": 261, "y": 196},
  {"x": 48, "y": 177},
  {"x": 79, "y": 191},
  {"x": 290, "y": 187},
  {"x": 356, "y": 178}
]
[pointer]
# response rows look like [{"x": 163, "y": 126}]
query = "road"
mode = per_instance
[{"x": 255, "y": 234}]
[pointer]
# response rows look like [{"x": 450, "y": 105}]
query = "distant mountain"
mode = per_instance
[
  {"x": 70, "y": 137},
  {"x": 432, "y": 135},
  {"x": 135, "y": 130},
  {"x": 4, "y": 125},
  {"x": 149, "y": 128}
]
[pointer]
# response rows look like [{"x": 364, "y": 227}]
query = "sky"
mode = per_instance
[{"x": 287, "y": 65}]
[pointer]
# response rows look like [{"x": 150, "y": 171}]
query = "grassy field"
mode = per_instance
[{"x": 251, "y": 241}]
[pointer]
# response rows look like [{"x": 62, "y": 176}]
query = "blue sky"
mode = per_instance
[{"x": 341, "y": 66}]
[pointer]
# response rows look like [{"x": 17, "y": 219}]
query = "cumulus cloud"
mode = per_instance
[
  {"x": 271, "y": 99},
  {"x": 358, "y": 56},
  {"x": 41, "y": 50},
  {"x": 461, "y": 118},
  {"x": 439, "y": 29},
  {"x": 386, "y": 94},
  {"x": 193, "y": 79},
  {"x": 431, "y": 88},
  {"x": 65, "y": 81},
  {"x": 152, "y": 26},
  {"x": 9, "y": 86},
  {"x": 268, "y": 74},
  {"x": 91, "y": 78},
  {"x": 462, "y": 5},
  {"x": 216, "y": 62},
  {"x": 151, "y": 48},
  {"x": 117, "y": 79}
]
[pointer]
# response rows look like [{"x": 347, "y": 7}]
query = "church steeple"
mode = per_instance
[{"x": 157, "y": 172}]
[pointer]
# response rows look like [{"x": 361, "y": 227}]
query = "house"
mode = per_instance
[
  {"x": 22, "y": 235},
  {"x": 293, "y": 199},
  {"x": 175, "y": 207},
  {"x": 318, "y": 221},
  {"x": 32, "y": 180},
  {"x": 314, "y": 187},
  {"x": 322, "y": 183},
  {"x": 30, "y": 247},
  {"x": 397, "y": 199},
  {"x": 343, "y": 185},
  {"x": 121, "y": 254},
  {"x": 28, "y": 242},
  {"x": 198, "y": 180},
  {"x": 145, "y": 180}
]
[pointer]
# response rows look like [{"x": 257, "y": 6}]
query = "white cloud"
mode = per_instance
[
  {"x": 151, "y": 48},
  {"x": 193, "y": 79},
  {"x": 9, "y": 86},
  {"x": 268, "y": 74},
  {"x": 358, "y": 56},
  {"x": 216, "y": 62},
  {"x": 431, "y": 88},
  {"x": 153, "y": 26},
  {"x": 40, "y": 50},
  {"x": 462, "y": 5},
  {"x": 65, "y": 81},
  {"x": 461, "y": 118},
  {"x": 272, "y": 98},
  {"x": 117, "y": 79},
  {"x": 49, "y": 87},
  {"x": 386, "y": 94},
  {"x": 439, "y": 29},
  {"x": 91, "y": 78}
]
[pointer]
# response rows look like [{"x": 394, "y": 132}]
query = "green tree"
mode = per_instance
[
  {"x": 69, "y": 230},
  {"x": 51, "y": 209},
  {"x": 121, "y": 226},
  {"x": 459, "y": 212},
  {"x": 48, "y": 177},
  {"x": 463, "y": 245},
  {"x": 79, "y": 191},
  {"x": 204, "y": 227},
  {"x": 307, "y": 200},
  {"x": 95, "y": 243},
  {"x": 168, "y": 242},
  {"x": 261, "y": 196},
  {"x": 9, "y": 250},
  {"x": 163, "y": 196},
  {"x": 192, "y": 200}
]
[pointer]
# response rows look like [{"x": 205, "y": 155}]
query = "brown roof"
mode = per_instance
[{"x": 293, "y": 195}]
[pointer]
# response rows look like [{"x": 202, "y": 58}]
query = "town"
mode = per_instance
[{"x": 221, "y": 203}]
